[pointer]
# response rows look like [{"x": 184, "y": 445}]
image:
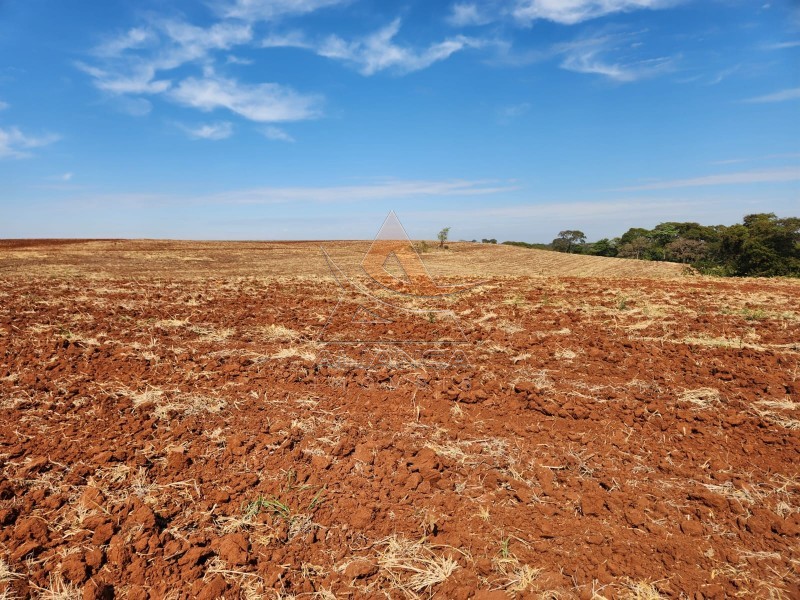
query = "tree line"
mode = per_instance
[{"x": 762, "y": 245}]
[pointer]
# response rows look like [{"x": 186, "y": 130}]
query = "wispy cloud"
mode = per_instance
[
  {"x": 506, "y": 114},
  {"x": 783, "y": 45},
  {"x": 288, "y": 39},
  {"x": 3, "y": 105},
  {"x": 268, "y": 10},
  {"x": 63, "y": 177},
  {"x": 729, "y": 161},
  {"x": 781, "y": 96},
  {"x": 138, "y": 79},
  {"x": 15, "y": 144},
  {"x": 382, "y": 190},
  {"x": 389, "y": 189},
  {"x": 136, "y": 37},
  {"x": 277, "y": 134},
  {"x": 564, "y": 12},
  {"x": 570, "y": 12},
  {"x": 739, "y": 178},
  {"x": 765, "y": 157},
  {"x": 724, "y": 74},
  {"x": 170, "y": 43},
  {"x": 135, "y": 107},
  {"x": 238, "y": 60},
  {"x": 264, "y": 102},
  {"x": 377, "y": 51},
  {"x": 131, "y": 62},
  {"x": 142, "y": 62},
  {"x": 464, "y": 14},
  {"x": 614, "y": 54},
  {"x": 592, "y": 56},
  {"x": 209, "y": 131}
]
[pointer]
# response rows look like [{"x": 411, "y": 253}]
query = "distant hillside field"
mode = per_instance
[{"x": 286, "y": 259}]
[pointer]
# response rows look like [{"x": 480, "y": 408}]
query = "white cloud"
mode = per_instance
[
  {"x": 724, "y": 74},
  {"x": 63, "y": 177},
  {"x": 15, "y": 144},
  {"x": 238, "y": 60},
  {"x": 136, "y": 37},
  {"x": 138, "y": 80},
  {"x": 564, "y": 12},
  {"x": 729, "y": 161},
  {"x": 765, "y": 157},
  {"x": 739, "y": 178},
  {"x": 3, "y": 105},
  {"x": 267, "y": 10},
  {"x": 131, "y": 65},
  {"x": 783, "y": 45},
  {"x": 591, "y": 56},
  {"x": 617, "y": 56},
  {"x": 382, "y": 190},
  {"x": 168, "y": 44},
  {"x": 264, "y": 102},
  {"x": 368, "y": 193},
  {"x": 589, "y": 61},
  {"x": 277, "y": 134},
  {"x": 188, "y": 42},
  {"x": 291, "y": 39},
  {"x": 377, "y": 51},
  {"x": 508, "y": 113},
  {"x": 463, "y": 14},
  {"x": 781, "y": 96},
  {"x": 210, "y": 131},
  {"x": 135, "y": 107},
  {"x": 570, "y": 12}
]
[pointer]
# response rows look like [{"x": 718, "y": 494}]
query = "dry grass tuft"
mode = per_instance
[
  {"x": 210, "y": 334},
  {"x": 640, "y": 590},
  {"x": 292, "y": 351},
  {"x": 565, "y": 354},
  {"x": 6, "y": 574},
  {"x": 700, "y": 398},
  {"x": 147, "y": 396},
  {"x": 413, "y": 566},
  {"x": 172, "y": 323},
  {"x": 58, "y": 589},
  {"x": 515, "y": 576},
  {"x": 772, "y": 412},
  {"x": 279, "y": 333},
  {"x": 166, "y": 405},
  {"x": 744, "y": 496}
]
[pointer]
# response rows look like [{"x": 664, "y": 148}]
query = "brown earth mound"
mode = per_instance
[{"x": 179, "y": 437}]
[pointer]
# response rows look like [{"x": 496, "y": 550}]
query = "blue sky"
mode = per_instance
[{"x": 311, "y": 119}]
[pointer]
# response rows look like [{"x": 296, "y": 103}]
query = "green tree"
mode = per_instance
[
  {"x": 664, "y": 233},
  {"x": 637, "y": 248},
  {"x": 569, "y": 239},
  {"x": 661, "y": 236},
  {"x": 686, "y": 251},
  {"x": 604, "y": 247},
  {"x": 762, "y": 246},
  {"x": 632, "y": 234},
  {"x": 442, "y": 236}
]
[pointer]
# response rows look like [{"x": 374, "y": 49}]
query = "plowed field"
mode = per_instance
[{"x": 168, "y": 430}]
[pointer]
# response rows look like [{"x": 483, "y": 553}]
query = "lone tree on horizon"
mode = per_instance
[
  {"x": 443, "y": 236},
  {"x": 568, "y": 239}
]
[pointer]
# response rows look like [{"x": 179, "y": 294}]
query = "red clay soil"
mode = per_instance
[{"x": 180, "y": 438}]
